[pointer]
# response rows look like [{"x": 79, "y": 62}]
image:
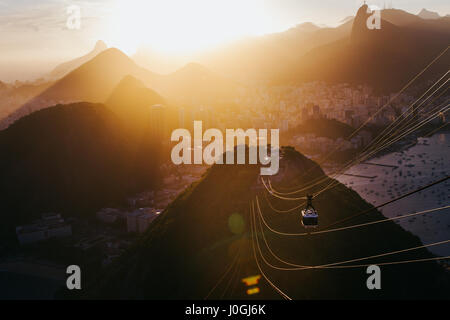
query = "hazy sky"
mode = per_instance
[{"x": 34, "y": 35}]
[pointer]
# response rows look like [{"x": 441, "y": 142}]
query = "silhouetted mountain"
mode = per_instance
[
  {"x": 71, "y": 159},
  {"x": 306, "y": 26},
  {"x": 264, "y": 58},
  {"x": 16, "y": 95},
  {"x": 191, "y": 244},
  {"x": 283, "y": 51},
  {"x": 91, "y": 82},
  {"x": 362, "y": 35},
  {"x": 64, "y": 68},
  {"x": 385, "y": 59},
  {"x": 65, "y": 158},
  {"x": 253, "y": 58},
  {"x": 131, "y": 101},
  {"x": 269, "y": 57},
  {"x": 95, "y": 80},
  {"x": 425, "y": 14},
  {"x": 402, "y": 18}
]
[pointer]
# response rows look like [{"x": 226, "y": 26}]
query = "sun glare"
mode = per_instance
[{"x": 179, "y": 26}]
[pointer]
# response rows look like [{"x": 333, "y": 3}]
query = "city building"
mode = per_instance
[
  {"x": 51, "y": 225},
  {"x": 109, "y": 215},
  {"x": 138, "y": 221}
]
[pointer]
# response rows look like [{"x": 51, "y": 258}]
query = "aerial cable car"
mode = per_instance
[{"x": 310, "y": 217}]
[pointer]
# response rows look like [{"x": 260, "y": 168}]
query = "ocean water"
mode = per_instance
[
  {"x": 422, "y": 164},
  {"x": 14, "y": 286}
]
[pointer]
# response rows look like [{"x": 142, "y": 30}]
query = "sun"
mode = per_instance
[{"x": 180, "y": 26}]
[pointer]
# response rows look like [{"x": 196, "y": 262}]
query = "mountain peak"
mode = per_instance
[
  {"x": 130, "y": 101},
  {"x": 362, "y": 34},
  {"x": 111, "y": 55},
  {"x": 64, "y": 68},
  {"x": 363, "y": 11},
  {"x": 428, "y": 15},
  {"x": 360, "y": 29},
  {"x": 131, "y": 91},
  {"x": 307, "y": 26},
  {"x": 129, "y": 81},
  {"x": 100, "y": 46},
  {"x": 114, "y": 52},
  {"x": 193, "y": 68}
]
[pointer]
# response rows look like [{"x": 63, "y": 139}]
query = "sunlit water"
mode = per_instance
[{"x": 422, "y": 164}]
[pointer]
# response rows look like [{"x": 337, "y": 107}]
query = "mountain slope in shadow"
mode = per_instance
[
  {"x": 131, "y": 101},
  {"x": 72, "y": 159},
  {"x": 190, "y": 246}
]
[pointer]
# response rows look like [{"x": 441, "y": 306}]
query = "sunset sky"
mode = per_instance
[{"x": 34, "y": 35}]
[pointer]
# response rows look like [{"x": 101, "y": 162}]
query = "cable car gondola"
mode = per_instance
[{"x": 310, "y": 218}]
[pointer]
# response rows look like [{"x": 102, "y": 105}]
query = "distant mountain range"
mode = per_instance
[
  {"x": 425, "y": 14},
  {"x": 385, "y": 59},
  {"x": 267, "y": 58},
  {"x": 95, "y": 80},
  {"x": 64, "y": 68}
]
